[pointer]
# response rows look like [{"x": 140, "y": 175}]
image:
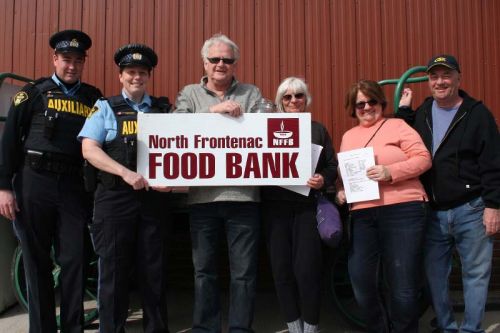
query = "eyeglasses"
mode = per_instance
[
  {"x": 361, "y": 105},
  {"x": 216, "y": 60},
  {"x": 288, "y": 97}
]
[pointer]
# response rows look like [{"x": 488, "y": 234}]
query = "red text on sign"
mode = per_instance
[
  {"x": 187, "y": 165},
  {"x": 265, "y": 165}
]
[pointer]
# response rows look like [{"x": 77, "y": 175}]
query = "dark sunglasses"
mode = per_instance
[
  {"x": 288, "y": 97},
  {"x": 361, "y": 105},
  {"x": 216, "y": 60}
]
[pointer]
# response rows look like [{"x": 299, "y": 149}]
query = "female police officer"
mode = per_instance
[{"x": 129, "y": 217}]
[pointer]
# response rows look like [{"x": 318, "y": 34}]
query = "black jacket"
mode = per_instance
[
  {"x": 466, "y": 164},
  {"x": 327, "y": 167},
  {"x": 19, "y": 120}
]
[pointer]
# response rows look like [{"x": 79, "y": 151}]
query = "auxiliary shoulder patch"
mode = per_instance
[
  {"x": 94, "y": 109},
  {"x": 20, "y": 97}
]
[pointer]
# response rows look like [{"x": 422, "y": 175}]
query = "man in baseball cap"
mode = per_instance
[
  {"x": 463, "y": 187},
  {"x": 443, "y": 60}
]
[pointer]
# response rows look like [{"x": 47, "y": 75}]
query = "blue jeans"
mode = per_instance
[
  {"x": 461, "y": 228},
  {"x": 241, "y": 223},
  {"x": 393, "y": 236}
]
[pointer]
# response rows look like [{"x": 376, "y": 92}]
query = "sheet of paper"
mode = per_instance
[
  {"x": 353, "y": 164},
  {"x": 304, "y": 189}
]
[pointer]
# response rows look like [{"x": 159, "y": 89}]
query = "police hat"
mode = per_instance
[
  {"x": 443, "y": 60},
  {"x": 136, "y": 54},
  {"x": 70, "y": 41}
]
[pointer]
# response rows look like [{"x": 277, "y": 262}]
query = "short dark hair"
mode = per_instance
[
  {"x": 370, "y": 89},
  {"x": 122, "y": 68}
]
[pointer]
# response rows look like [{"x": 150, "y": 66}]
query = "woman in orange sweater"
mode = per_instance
[{"x": 389, "y": 230}]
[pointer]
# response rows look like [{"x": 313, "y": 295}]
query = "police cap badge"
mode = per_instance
[
  {"x": 70, "y": 41},
  {"x": 136, "y": 55}
]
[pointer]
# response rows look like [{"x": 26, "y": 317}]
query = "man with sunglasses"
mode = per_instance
[
  {"x": 463, "y": 187},
  {"x": 231, "y": 209}
]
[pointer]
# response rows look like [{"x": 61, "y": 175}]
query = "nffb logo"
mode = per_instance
[{"x": 283, "y": 132}]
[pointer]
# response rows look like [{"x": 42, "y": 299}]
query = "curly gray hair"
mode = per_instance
[{"x": 219, "y": 38}]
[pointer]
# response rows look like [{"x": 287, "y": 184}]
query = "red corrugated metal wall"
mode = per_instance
[{"x": 331, "y": 43}]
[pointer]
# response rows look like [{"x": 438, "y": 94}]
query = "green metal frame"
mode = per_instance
[
  {"x": 405, "y": 78},
  {"x": 4, "y": 76}
]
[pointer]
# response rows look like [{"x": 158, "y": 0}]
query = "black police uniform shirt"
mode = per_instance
[{"x": 29, "y": 127}]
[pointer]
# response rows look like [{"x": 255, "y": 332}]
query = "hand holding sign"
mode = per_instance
[{"x": 230, "y": 107}]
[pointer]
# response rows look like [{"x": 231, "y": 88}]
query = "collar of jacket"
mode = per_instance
[{"x": 204, "y": 81}]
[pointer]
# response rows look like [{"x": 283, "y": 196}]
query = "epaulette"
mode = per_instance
[
  {"x": 92, "y": 88},
  {"x": 40, "y": 80},
  {"x": 118, "y": 104},
  {"x": 86, "y": 85},
  {"x": 45, "y": 84},
  {"x": 162, "y": 103},
  {"x": 32, "y": 84}
]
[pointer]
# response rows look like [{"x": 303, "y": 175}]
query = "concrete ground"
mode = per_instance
[{"x": 267, "y": 317}]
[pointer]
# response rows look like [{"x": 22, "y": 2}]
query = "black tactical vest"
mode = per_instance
[
  {"x": 123, "y": 148},
  {"x": 56, "y": 122}
]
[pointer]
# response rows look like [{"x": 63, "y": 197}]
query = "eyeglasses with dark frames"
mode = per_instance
[
  {"x": 216, "y": 60},
  {"x": 361, "y": 105},
  {"x": 288, "y": 97}
]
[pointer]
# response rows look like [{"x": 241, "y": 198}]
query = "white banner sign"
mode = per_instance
[{"x": 206, "y": 149}]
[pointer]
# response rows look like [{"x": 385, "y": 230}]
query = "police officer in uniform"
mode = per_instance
[
  {"x": 129, "y": 217},
  {"x": 41, "y": 184}
]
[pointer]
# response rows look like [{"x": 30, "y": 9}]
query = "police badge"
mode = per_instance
[{"x": 20, "y": 97}]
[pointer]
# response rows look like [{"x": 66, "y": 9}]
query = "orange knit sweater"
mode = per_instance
[{"x": 399, "y": 148}]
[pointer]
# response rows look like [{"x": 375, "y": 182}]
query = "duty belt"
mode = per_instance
[{"x": 52, "y": 162}]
